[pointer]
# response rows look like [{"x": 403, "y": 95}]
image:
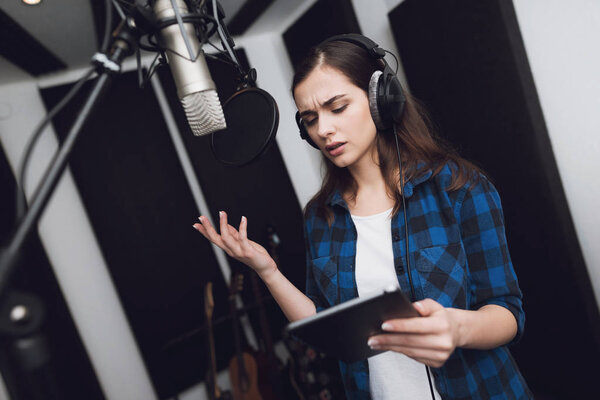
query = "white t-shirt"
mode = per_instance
[{"x": 391, "y": 375}]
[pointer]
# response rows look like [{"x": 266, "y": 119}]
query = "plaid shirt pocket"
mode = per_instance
[
  {"x": 443, "y": 275},
  {"x": 324, "y": 270}
]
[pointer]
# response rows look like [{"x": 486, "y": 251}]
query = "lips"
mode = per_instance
[{"x": 335, "y": 148}]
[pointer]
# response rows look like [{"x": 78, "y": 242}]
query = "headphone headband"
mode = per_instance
[{"x": 359, "y": 40}]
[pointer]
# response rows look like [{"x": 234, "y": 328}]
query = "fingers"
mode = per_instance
[
  {"x": 427, "y": 307},
  {"x": 244, "y": 242},
  {"x": 207, "y": 230},
  {"x": 233, "y": 232},
  {"x": 244, "y": 229},
  {"x": 414, "y": 325},
  {"x": 433, "y": 351},
  {"x": 432, "y": 323},
  {"x": 229, "y": 239},
  {"x": 441, "y": 343},
  {"x": 429, "y": 357}
]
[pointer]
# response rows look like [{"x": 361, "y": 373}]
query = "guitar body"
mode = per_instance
[
  {"x": 269, "y": 379},
  {"x": 242, "y": 367},
  {"x": 244, "y": 390}
]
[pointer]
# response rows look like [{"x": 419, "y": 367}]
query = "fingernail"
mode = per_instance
[
  {"x": 418, "y": 305},
  {"x": 386, "y": 326},
  {"x": 220, "y": 213},
  {"x": 200, "y": 219},
  {"x": 372, "y": 342},
  {"x": 194, "y": 226},
  {"x": 243, "y": 218}
]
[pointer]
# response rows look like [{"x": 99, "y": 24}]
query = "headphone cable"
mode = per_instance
[{"x": 407, "y": 255}]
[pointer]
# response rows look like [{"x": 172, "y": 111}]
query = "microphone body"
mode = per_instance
[{"x": 195, "y": 87}]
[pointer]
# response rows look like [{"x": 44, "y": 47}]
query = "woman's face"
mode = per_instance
[{"x": 337, "y": 116}]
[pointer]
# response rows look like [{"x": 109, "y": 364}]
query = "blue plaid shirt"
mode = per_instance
[{"x": 458, "y": 257}]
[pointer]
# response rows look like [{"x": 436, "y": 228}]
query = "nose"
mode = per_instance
[{"x": 325, "y": 126}]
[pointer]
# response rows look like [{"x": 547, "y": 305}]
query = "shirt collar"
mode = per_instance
[
  {"x": 410, "y": 185},
  {"x": 336, "y": 197}
]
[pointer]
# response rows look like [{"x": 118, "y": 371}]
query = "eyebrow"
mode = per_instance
[{"x": 325, "y": 104}]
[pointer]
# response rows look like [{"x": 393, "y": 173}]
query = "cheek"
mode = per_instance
[{"x": 367, "y": 126}]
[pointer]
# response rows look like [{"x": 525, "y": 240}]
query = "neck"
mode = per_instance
[
  {"x": 366, "y": 171},
  {"x": 367, "y": 176},
  {"x": 371, "y": 194}
]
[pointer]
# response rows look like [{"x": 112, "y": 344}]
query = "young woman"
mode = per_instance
[{"x": 459, "y": 273}]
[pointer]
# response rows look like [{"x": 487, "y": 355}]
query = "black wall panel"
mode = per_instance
[
  {"x": 248, "y": 13},
  {"x": 141, "y": 209},
  {"x": 324, "y": 19},
  {"x": 466, "y": 61}
]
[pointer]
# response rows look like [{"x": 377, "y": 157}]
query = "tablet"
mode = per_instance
[{"x": 342, "y": 331}]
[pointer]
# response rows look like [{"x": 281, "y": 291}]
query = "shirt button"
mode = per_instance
[
  {"x": 399, "y": 268},
  {"x": 395, "y": 236}
]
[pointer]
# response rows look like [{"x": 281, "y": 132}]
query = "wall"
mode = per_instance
[{"x": 560, "y": 40}]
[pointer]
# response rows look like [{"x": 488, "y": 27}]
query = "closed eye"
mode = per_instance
[{"x": 335, "y": 111}]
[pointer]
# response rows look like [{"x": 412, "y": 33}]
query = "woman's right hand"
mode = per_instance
[{"x": 237, "y": 245}]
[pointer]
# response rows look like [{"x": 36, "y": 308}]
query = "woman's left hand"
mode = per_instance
[{"x": 429, "y": 339}]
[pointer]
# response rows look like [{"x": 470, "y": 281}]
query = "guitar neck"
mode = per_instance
[
  {"x": 213, "y": 388},
  {"x": 262, "y": 316},
  {"x": 237, "y": 339},
  {"x": 213, "y": 357}
]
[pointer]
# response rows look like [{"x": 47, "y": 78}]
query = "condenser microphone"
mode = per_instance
[{"x": 195, "y": 87}]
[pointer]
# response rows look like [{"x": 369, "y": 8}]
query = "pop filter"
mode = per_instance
[{"x": 252, "y": 119}]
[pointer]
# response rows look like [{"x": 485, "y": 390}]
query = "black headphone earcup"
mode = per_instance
[
  {"x": 303, "y": 133},
  {"x": 395, "y": 100},
  {"x": 390, "y": 101}
]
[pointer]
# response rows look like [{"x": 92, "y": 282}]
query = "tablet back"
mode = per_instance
[{"x": 342, "y": 331}]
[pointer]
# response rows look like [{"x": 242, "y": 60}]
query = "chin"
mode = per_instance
[{"x": 341, "y": 161}]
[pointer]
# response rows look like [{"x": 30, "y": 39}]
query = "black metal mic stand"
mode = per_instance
[{"x": 21, "y": 314}]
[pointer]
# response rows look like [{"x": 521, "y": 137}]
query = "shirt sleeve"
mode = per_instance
[{"x": 493, "y": 278}]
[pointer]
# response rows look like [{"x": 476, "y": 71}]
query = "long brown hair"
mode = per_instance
[{"x": 418, "y": 142}]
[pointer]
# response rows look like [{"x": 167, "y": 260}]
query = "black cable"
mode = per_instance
[
  {"x": 395, "y": 59},
  {"x": 407, "y": 255},
  {"x": 214, "y": 46},
  {"x": 22, "y": 169},
  {"x": 429, "y": 380},
  {"x": 223, "y": 60},
  {"x": 151, "y": 69}
]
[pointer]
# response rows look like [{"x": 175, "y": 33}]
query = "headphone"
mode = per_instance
[{"x": 386, "y": 96}]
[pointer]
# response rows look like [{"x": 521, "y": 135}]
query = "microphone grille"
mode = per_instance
[{"x": 204, "y": 112}]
